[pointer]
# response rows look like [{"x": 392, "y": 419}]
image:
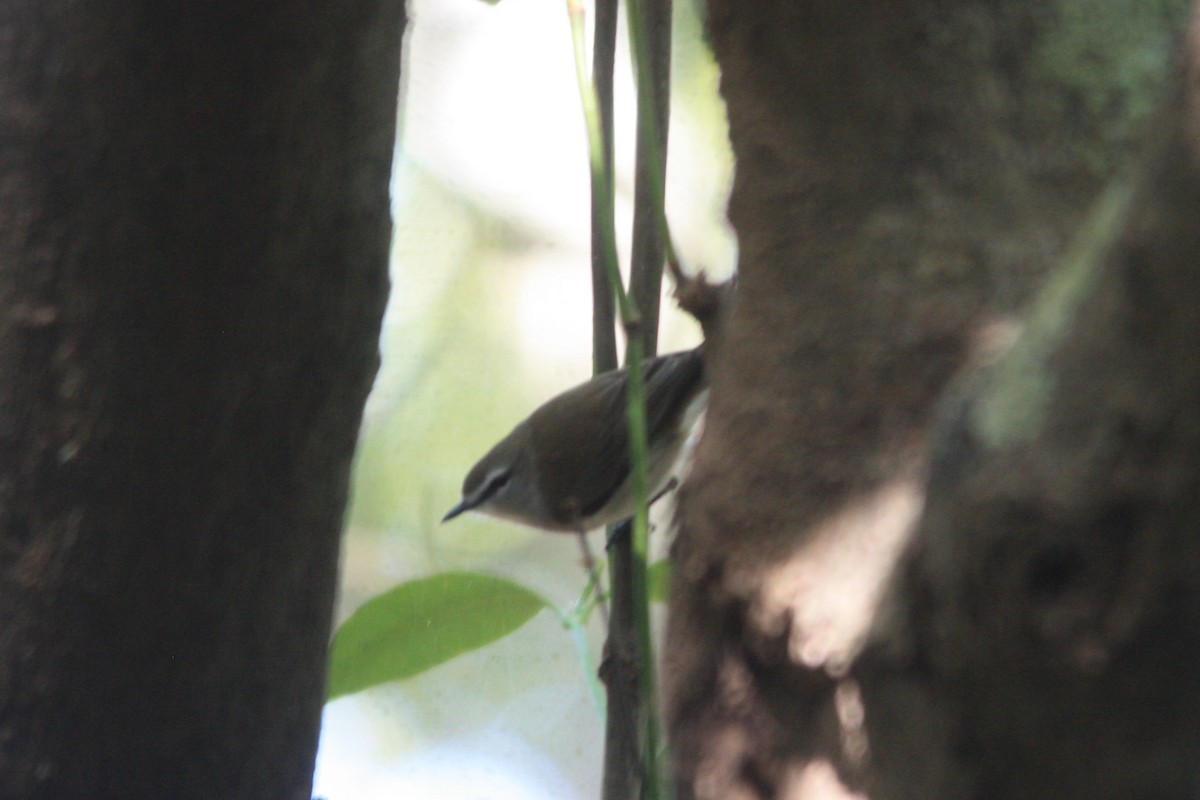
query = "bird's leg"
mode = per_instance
[
  {"x": 589, "y": 563},
  {"x": 575, "y": 514}
]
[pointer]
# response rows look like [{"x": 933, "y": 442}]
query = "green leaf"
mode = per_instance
[
  {"x": 423, "y": 623},
  {"x": 658, "y": 580}
]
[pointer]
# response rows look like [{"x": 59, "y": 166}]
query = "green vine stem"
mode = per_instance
[{"x": 655, "y": 784}]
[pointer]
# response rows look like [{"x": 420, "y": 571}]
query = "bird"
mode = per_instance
[{"x": 566, "y": 467}]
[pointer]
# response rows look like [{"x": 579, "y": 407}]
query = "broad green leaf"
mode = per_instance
[
  {"x": 423, "y": 623},
  {"x": 658, "y": 580}
]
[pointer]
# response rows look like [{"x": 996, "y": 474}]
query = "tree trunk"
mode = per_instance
[
  {"x": 907, "y": 174},
  {"x": 1045, "y": 621},
  {"x": 194, "y": 222}
]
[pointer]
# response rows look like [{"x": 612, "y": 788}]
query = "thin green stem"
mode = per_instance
[
  {"x": 601, "y": 185},
  {"x": 655, "y": 786},
  {"x": 590, "y": 669},
  {"x": 593, "y": 595},
  {"x": 575, "y": 623}
]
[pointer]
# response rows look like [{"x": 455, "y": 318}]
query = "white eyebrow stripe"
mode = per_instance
[{"x": 486, "y": 488}]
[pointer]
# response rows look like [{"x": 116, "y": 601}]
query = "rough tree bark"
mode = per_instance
[
  {"x": 907, "y": 174},
  {"x": 193, "y": 238},
  {"x": 1047, "y": 614}
]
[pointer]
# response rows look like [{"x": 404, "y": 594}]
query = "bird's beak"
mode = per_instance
[{"x": 462, "y": 506}]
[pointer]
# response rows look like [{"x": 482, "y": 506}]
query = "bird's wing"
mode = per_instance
[
  {"x": 560, "y": 439},
  {"x": 671, "y": 381}
]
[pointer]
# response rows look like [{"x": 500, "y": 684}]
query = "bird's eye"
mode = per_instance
[{"x": 498, "y": 482}]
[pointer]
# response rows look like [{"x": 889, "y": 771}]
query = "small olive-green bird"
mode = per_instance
[{"x": 566, "y": 466}]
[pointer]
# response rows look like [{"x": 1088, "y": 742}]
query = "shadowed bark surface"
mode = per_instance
[
  {"x": 1046, "y": 613},
  {"x": 193, "y": 239},
  {"x": 907, "y": 175}
]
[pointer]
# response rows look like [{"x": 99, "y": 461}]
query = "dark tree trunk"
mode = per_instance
[
  {"x": 907, "y": 174},
  {"x": 193, "y": 239},
  {"x": 1045, "y": 621}
]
